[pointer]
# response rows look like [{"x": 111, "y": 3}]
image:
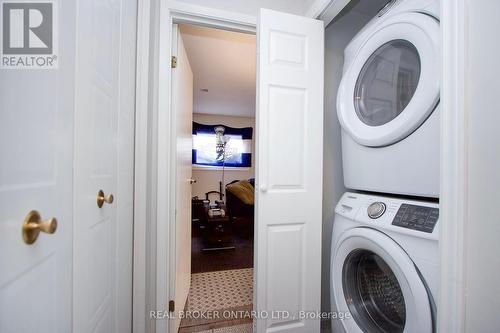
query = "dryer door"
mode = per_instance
[
  {"x": 392, "y": 85},
  {"x": 377, "y": 283}
]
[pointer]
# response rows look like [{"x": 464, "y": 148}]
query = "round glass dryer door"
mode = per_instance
[
  {"x": 387, "y": 82},
  {"x": 392, "y": 84},
  {"x": 375, "y": 281}
]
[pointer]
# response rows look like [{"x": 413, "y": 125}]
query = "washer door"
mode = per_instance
[
  {"x": 393, "y": 83},
  {"x": 377, "y": 283}
]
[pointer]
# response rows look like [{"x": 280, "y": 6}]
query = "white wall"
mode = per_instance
[
  {"x": 208, "y": 180},
  {"x": 482, "y": 244},
  {"x": 337, "y": 36},
  {"x": 252, "y": 7}
]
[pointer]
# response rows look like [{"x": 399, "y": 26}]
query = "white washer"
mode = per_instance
[
  {"x": 388, "y": 102},
  {"x": 384, "y": 264}
]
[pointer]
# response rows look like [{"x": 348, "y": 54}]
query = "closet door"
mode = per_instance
[
  {"x": 36, "y": 170},
  {"x": 289, "y": 171},
  {"x": 103, "y": 173}
]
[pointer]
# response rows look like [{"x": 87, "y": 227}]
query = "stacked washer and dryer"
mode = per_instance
[{"x": 385, "y": 254}]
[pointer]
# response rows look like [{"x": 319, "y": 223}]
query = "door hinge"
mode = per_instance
[
  {"x": 173, "y": 62},
  {"x": 171, "y": 306}
]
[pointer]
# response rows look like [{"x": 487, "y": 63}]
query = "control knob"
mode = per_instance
[{"x": 376, "y": 210}]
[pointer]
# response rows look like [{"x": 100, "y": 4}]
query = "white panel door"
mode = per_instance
[
  {"x": 36, "y": 159},
  {"x": 182, "y": 116},
  {"x": 104, "y": 132},
  {"x": 289, "y": 170}
]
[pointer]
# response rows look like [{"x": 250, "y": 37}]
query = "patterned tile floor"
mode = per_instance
[
  {"x": 245, "y": 328},
  {"x": 220, "y": 292}
]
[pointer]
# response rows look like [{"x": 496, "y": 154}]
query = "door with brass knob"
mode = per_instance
[
  {"x": 104, "y": 168},
  {"x": 36, "y": 173},
  {"x": 103, "y": 198},
  {"x": 33, "y": 225}
]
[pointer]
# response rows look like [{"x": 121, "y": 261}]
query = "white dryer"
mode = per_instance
[
  {"x": 384, "y": 265},
  {"x": 388, "y": 102}
]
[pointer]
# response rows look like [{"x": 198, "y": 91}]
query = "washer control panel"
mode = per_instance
[
  {"x": 376, "y": 209},
  {"x": 415, "y": 217}
]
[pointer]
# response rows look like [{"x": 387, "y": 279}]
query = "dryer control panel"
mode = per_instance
[{"x": 415, "y": 217}]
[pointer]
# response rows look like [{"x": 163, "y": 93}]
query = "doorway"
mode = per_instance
[
  {"x": 289, "y": 118},
  {"x": 213, "y": 89}
]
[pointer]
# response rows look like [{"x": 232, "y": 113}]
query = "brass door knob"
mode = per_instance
[
  {"x": 102, "y": 198},
  {"x": 33, "y": 224}
]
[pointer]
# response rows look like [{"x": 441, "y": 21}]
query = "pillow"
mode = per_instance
[{"x": 243, "y": 190}]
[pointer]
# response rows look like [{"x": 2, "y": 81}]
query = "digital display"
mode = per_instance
[{"x": 418, "y": 218}]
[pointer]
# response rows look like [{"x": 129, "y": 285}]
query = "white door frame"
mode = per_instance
[
  {"x": 143, "y": 164},
  {"x": 453, "y": 199},
  {"x": 155, "y": 18},
  {"x": 154, "y": 183}
]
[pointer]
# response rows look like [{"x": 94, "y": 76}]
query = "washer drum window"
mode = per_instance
[{"x": 372, "y": 293}]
